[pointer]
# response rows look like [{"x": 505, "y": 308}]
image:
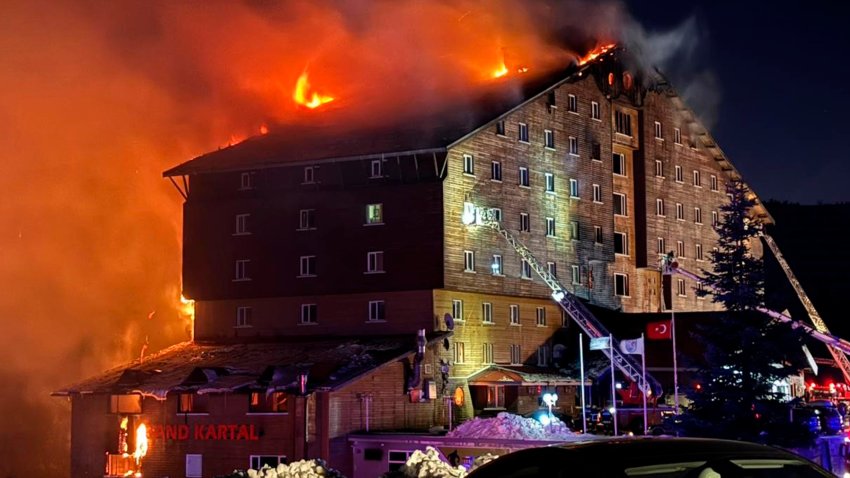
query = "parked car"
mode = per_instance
[
  {"x": 808, "y": 418},
  {"x": 831, "y": 422},
  {"x": 647, "y": 457}
]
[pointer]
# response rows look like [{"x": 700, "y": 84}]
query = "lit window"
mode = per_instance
[
  {"x": 542, "y": 356},
  {"x": 697, "y": 179},
  {"x": 680, "y": 249},
  {"x": 523, "y": 132},
  {"x": 125, "y": 404},
  {"x": 246, "y": 181},
  {"x": 680, "y": 211},
  {"x": 496, "y": 265},
  {"x": 376, "y": 311},
  {"x": 457, "y": 309},
  {"x": 658, "y": 130},
  {"x": 550, "y": 226},
  {"x": 550, "y": 182},
  {"x": 680, "y": 287},
  {"x": 523, "y": 177},
  {"x": 621, "y": 243},
  {"x": 572, "y": 104},
  {"x": 574, "y": 231},
  {"x": 375, "y": 262},
  {"x": 459, "y": 352},
  {"x": 525, "y": 269},
  {"x": 575, "y": 272},
  {"x": 549, "y": 139},
  {"x": 698, "y": 215},
  {"x": 375, "y": 214},
  {"x": 677, "y": 136},
  {"x": 242, "y": 270},
  {"x": 659, "y": 208},
  {"x": 574, "y": 188},
  {"x": 713, "y": 180},
  {"x": 594, "y": 110},
  {"x": 242, "y": 225},
  {"x": 500, "y": 127},
  {"x": 597, "y": 193},
  {"x": 573, "y": 146},
  {"x": 620, "y": 205},
  {"x": 309, "y": 314},
  {"x": 488, "y": 353},
  {"x": 514, "y": 314},
  {"x": 262, "y": 402},
  {"x": 468, "y": 164},
  {"x": 469, "y": 261},
  {"x": 698, "y": 251},
  {"x": 487, "y": 312},
  {"x": 659, "y": 168},
  {"x": 309, "y": 174},
  {"x": 306, "y": 219},
  {"x": 377, "y": 168},
  {"x": 524, "y": 223},
  {"x": 307, "y": 266},
  {"x": 660, "y": 247},
  {"x": 680, "y": 178},
  {"x": 623, "y": 123},
  {"x": 192, "y": 403},
  {"x": 496, "y": 171},
  {"x": 619, "y": 164},
  {"x": 621, "y": 285},
  {"x": 516, "y": 355},
  {"x": 243, "y": 316},
  {"x": 541, "y": 317},
  {"x": 597, "y": 234}
]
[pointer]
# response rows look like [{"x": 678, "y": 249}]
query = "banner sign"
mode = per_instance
[
  {"x": 600, "y": 343},
  {"x": 204, "y": 432}
]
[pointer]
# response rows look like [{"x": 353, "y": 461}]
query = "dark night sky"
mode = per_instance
[{"x": 784, "y": 89}]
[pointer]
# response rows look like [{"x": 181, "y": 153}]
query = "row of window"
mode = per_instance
[
  {"x": 376, "y": 312},
  {"x": 677, "y": 134},
  {"x": 311, "y": 174},
  {"x": 661, "y": 211},
  {"x": 513, "y": 314},
  {"x": 679, "y": 176},
  {"x": 258, "y": 402},
  {"x": 307, "y": 266},
  {"x": 661, "y": 248},
  {"x": 307, "y": 219},
  {"x": 488, "y": 356}
]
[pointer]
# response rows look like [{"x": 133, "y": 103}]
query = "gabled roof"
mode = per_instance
[
  {"x": 520, "y": 375},
  {"x": 204, "y": 368}
]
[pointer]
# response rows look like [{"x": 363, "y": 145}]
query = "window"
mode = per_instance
[
  {"x": 597, "y": 193},
  {"x": 194, "y": 465},
  {"x": 621, "y": 243},
  {"x": 660, "y": 247},
  {"x": 574, "y": 188},
  {"x": 572, "y": 104},
  {"x": 376, "y": 311},
  {"x": 597, "y": 234},
  {"x": 397, "y": 459},
  {"x": 700, "y": 291},
  {"x": 500, "y": 127},
  {"x": 496, "y": 171},
  {"x": 262, "y": 402},
  {"x": 680, "y": 249},
  {"x": 468, "y": 164},
  {"x": 596, "y": 152},
  {"x": 659, "y": 208},
  {"x": 619, "y": 164},
  {"x": 715, "y": 218},
  {"x": 680, "y": 211},
  {"x": 241, "y": 270},
  {"x": 659, "y": 168},
  {"x": 551, "y": 100},
  {"x": 677, "y": 136},
  {"x": 620, "y": 204},
  {"x": 680, "y": 287},
  {"x": 594, "y": 110},
  {"x": 573, "y": 146},
  {"x": 309, "y": 314},
  {"x": 680, "y": 178},
  {"x": 497, "y": 214},
  {"x": 469, "y": 261},
  {"x": 246, "y": 181},
  {"x": 550, "y": 182},
  {"x": 242, "y": 225},
  {"x": 487, "y": 353},
  {"x": 306, "y": 219},
  {"x": 621, "y": 285},
  {"x": 375, "y": 214},
  {"x": 307, "y": 266},
  {"x": 459, "y": 352},
  {"x": 550, "y": 226},
  {"x": 457, "y": 309},
  {"x": 192, "y": 403},
  {"x": 523, "y": 177},
  {"x": 496, "y": 265},
  {"x": 541, "y": 317},
  {"x": 549, "y": 138},
  {"x": 523, "y": 132},
  {"x": 574, "y": 231},
  {"x": 377, "y": 168},
  {"x": 525, "y": 269},
  {"x": 565, "y": 319},
  {"x": 575, "y": 274},
  {"x": 375, "y": 262},
  {"x": 127, "y": 404},
  {"x": 487, "y": 312},
  {"x": 713, "y": 182},
  {"x": 552, "y": 268},
  {"x": 658, "y": 130},
  {"x": 513, "y": 309},
  {"x": 243, "y": 316},
  {"x": 697, "y": 179},
  {"x": 698, "y": 215},
  {"x": 524, "y": 223},
  {"x": 698, "y": 251},
  {"x": 542, "y": 356},
  {"x": 309, "y": 174},
  {"x": 623, "y": 123},
  {"x": 259, "y": 461},
  {"x": 516, "y": 354}
]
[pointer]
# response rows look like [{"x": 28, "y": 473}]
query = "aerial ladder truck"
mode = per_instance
[
  {"x": 478, "y": 216},
  {"x": 837, "y": 346}
]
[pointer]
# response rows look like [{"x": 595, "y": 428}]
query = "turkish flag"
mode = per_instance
[{"x": 659, "y": 330}]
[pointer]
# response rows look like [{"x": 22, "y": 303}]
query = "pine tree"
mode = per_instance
[{"x": 746, "y": 351}]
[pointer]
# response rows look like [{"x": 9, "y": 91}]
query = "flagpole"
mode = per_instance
[
  {"x": 675, "y": 366},
  {"x": 581, "y": 361},
  {"x": 643, "y": 370},
  {"x": 613, "y": 385}
]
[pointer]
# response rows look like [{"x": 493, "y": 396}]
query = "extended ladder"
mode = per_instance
[{"x": 568, "y": 302}]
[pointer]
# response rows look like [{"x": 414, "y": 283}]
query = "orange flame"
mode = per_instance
[
  {"x": 501, "y": 71},
  {"x": 596, "y": 52},
  {"x": 303, "y": 96},
  {"x": 141, "y": 444},
  {"x": 264, "y": 129}
]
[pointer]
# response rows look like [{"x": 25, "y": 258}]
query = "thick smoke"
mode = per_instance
[{"x": 100, "y": 97}]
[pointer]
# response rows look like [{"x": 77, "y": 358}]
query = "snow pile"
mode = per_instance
[
  {"x": 513, "y": 427},
  {"x": 430, "y": 465},
  {"x": 298, "y": 469}
]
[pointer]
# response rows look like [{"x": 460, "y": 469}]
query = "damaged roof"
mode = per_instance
[{"x": 207, "y": 368}]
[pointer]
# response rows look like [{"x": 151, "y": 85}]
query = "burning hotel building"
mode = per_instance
[{"x": 338, "y": 291}]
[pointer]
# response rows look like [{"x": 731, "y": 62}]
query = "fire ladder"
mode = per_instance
[
  {"x": 837, "y": 346},
  {"x": 569, "y": 303}
]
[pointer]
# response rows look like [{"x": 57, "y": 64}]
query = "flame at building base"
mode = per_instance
[{"x": 187, "y": 313}]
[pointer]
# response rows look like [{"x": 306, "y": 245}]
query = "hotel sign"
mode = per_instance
[{"x": 182, "y": 432}]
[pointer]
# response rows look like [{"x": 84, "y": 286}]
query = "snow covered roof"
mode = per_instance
[
  {"x": 521, "y": 375},
  {"x": 219, "y": 368}
]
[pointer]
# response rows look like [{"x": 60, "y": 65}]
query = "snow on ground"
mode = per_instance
[
  {"x": 298, "y": 469},
  {"x": 514, "y": 427}
]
